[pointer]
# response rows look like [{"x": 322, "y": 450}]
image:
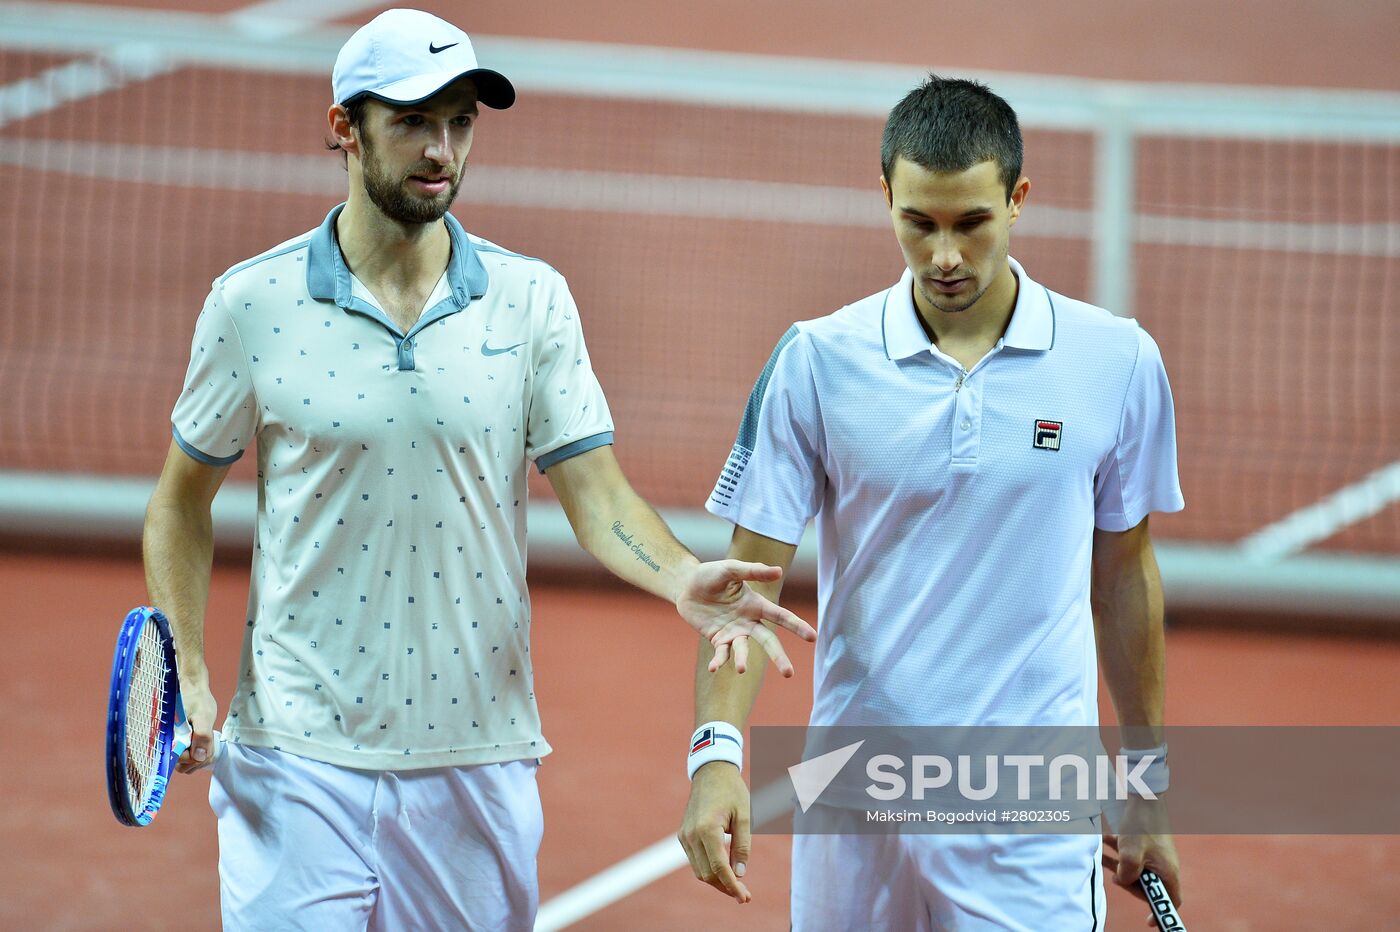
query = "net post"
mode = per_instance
[{"x": 1114, "y": 194}]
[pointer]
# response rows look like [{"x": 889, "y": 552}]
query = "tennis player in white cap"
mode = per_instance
[{"x": 396, "y": 376}]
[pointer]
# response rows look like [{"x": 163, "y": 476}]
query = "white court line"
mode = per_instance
[
  {"x": 555, "y": 189},
  {"x": 129, "y": 62},
  {"x": 608, "y": 886},
  {"x": 1322, "y": 519},
  {"x": 656, "y": 195},
  {"x": 276, "y": 19},
  {"x": 730, "y": 79},
  {"x": 1333, "y": 239},
  {"x": 63, "y": 84},
  {"x": 645, "y": 867}
]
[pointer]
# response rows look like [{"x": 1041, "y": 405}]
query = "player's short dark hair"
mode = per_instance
[
  {"x": 950, "y": 125},
  {"x": 356, "y": 110}
]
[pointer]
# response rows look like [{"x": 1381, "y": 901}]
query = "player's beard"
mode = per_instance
[
  {"x": 941, "y": 301},
  {"x": 392, "y": 197},
  {"x": 953, "y": 304}
]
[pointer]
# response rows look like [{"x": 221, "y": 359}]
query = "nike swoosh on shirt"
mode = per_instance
[
  {"x": 434, "y": 49},
  {"x": 492, "y": 351}
]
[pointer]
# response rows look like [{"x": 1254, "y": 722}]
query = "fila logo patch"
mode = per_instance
[
  {"x": 703, "y": 739},
  {"x": 708, "y": 737},
  {"x": 1047, "y": 435}
]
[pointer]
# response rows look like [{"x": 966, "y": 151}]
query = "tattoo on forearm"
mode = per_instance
[{"x": 637, "y": 551}]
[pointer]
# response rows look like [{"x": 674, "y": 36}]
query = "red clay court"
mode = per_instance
[{"x": 681, "y": 229}]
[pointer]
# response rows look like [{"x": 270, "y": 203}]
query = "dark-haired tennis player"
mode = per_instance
[
  {"x": 396, "y": 376},
  {"x": 981, "y": 456}
]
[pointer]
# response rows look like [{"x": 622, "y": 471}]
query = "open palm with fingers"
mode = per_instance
[{"x": 718, "y": 603}]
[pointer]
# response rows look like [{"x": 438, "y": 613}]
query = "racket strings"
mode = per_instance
[{"x": 144, "y": 711}]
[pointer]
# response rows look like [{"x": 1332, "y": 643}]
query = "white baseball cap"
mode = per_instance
[{"x": 407, "y": 56}]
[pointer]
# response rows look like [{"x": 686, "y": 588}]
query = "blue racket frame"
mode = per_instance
[{"x": 122, "y": 661}]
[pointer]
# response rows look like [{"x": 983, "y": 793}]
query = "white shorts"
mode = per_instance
[
  {"x": 957, "y": 883},
  {"x": 308, "y": 845}
]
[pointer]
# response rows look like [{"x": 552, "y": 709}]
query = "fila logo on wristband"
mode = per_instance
[
  {"x": 703, "y": 739},
  {"x": 715, "y": 741}
]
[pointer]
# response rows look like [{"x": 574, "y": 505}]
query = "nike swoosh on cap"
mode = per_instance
[
  {"x": 434, "y": 49},
  {"x": 492, "y": 351}
]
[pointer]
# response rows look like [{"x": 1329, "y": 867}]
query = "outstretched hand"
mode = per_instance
[{"x": 718, "y": 603}]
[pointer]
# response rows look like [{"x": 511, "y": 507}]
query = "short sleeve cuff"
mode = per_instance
[
  {"x": 194, "y": 453},
  {"x": 568, "y": 450},
  {"x": 758, "y": 522},
  {"x": 1133, "y": 515}
]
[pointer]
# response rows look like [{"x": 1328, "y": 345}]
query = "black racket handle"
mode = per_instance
[{"x": 1163, "y": 909}]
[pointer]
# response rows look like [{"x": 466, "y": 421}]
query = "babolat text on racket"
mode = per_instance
[
  {"x": 1163, "y": 910},
  {"x": 146, "y": 727}
]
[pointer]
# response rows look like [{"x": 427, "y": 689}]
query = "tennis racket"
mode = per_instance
[
  {"x": 1163, "y": 910},
  {"x": 146, "y": 727}
]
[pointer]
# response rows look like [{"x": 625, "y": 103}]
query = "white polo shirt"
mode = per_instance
[
  {"x": 388, "y": 621},
  {"x": 955, "y": 510}
]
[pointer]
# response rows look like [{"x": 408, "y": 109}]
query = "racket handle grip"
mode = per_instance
[
  {"x": 181, "y": 741},
  {"x": 1163, "y": 909}
]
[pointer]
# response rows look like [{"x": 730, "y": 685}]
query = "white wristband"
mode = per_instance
[
  {"x": 1155, "y": 776},
  {"x": 715, "y": 741}
]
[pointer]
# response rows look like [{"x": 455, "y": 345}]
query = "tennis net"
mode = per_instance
[{"x": 698, "y": 204}]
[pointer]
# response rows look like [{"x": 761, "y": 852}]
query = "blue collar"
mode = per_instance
[
  {"x": 328, "y": 277},
  {"x": 1032, "y": 325}
]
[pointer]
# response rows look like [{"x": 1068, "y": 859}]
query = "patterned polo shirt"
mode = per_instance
[{"x": 388, "y": 623}]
